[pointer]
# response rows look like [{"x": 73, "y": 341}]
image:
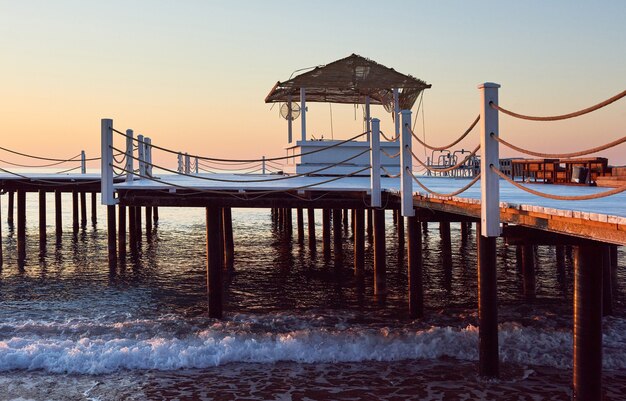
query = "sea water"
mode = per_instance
[{"x": 296, "y": 326}]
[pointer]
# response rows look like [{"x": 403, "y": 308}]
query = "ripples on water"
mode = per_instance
[{"x": 295, "y": 325}]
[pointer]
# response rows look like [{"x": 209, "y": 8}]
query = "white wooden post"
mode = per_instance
[
  {"x": 263, "y": 164},
  {"x": 289, "y": 121},
  {"x": 396, "y": 110},
  {"x": 180, "y": 162},
  {"x": 187, "y": 163},
  {"x": 406, "y": 166},
  {"x": 375, "y": 164},
  {"x": 83, "y": 167},
  {"x": 141, "y": 156},
  {"x": 368, "y": 119},
  {"x": 106, "y": 158},
  {"x": 303, "y": 112},
  {"x": 489, "y": 181},
  {"x": 130, "y": 162},
  {"x": 148, "y": 156}
]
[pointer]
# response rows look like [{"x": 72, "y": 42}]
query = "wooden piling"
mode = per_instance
[
  {"x": 614, "y": 261},
  {"x": 607, "y": 285},
  {"x": 416, "y": 287},
  {"x": 370, "y": 225},
  {"x": 75, "y": 225},
  {"x": 487, "y": 306},
  {"x": 94, "y": 209},
  {"x": 587, "y": 371},
  {"x": 288, "y": 222},
  {"x": 42, "y": 219},
  {"x": 465, "y": 229},
  {"x": 58, "y": 215},
  {"x": 345, "y": 219},
  {"x": 359, "y": 241},
  {"x": 10, "y": 208},
  {"x": 138, "y": 225},
  {"x": 425, "y": 227},
  {"x": 300, "y": 219},
  {"x": 111, "y": 240},
  {"x": 229, "y": 243},
  {"x": 1, "y": 256},
  {"x": 380, "y": 265},
  {"x": 21, "y": 226},
  {"x": 446, "y": 252},
  {"x": 148, "y": 211},
  {"x": 83, "y": 209},
  {"x": 337, "y": 233},
  {"x": 528, "y": 270},
  {"x": 311, "y": 226},
  {"x": 400, "y": 230},
  {"x": 121, "y": 235},
  {"x": 155, "y": 215},
  {"x": 214, "y": 268},
  {"x": 132, "y": 231},
  {"x": 326, "y": 232}
]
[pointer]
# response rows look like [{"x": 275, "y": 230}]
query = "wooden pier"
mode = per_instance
[{"x": 500, "y": 208}]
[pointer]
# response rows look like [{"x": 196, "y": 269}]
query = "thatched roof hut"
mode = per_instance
[{"x": 353, "y": 80}]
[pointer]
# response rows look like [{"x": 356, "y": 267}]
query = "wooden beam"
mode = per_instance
[
  {"x": 214, "y": 268},
  {"x": 359, "y": 242},
  {"x": 487, "y": 307},
  {"x": 416, "y": 287},
  {"x": 380, "y": 256}
]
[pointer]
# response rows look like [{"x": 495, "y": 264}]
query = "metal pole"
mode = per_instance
[
  {"x": 489, "y": 182},
  {"x": 375, "y": 164}
]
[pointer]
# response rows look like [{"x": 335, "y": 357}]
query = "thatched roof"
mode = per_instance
[{"x": 350, "y": 80}]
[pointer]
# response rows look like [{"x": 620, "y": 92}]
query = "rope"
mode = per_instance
[
  {"x": 45, "y": 182},
  {"x": 449, "y": 195},
  {"x": 39, "y": 157},
  {"x": 388, "y": 173},
  {"x": 563, "y": 116},
  {"x": 383, "y": 151},
  {"x": 214, "y": 159},
  {"x": 471, "y": 127},
  {"x": 445, "y": 170},
  {"x": 68, "y": 170},
  {"x": 560, "y": 197},
  {"x": 560, "y": 155},
  {"x": 247, "y": 181},
  {"x": 389, "y": 139},
  {"x": 32, "y": 166}
]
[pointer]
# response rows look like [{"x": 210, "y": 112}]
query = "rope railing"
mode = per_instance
[
  {"x": 215, "y": 159},
  {"x": 56, "y": 161},
  {"x": 445, "y": 169},
  {"x": 257, "y": 194},
  {"x": 391, "y": 156},
  {"x": 446, "y": 195},
  {"x": 562, "y": 116},
  {"x": 388, "y": 138},
  {"x": 248, "y": 181},
  {"x": 471, "y": 127},
  {"x": 42, "y": 182},
  {"x": 389, "y": 173},
  {"x": 559, "y": 197},
  {"x": 559, "y": 155}
]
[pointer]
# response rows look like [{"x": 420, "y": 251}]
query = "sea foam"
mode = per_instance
[{"x": 232, "y": 342}]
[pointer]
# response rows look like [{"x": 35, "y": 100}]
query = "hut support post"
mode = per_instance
[
  {"x": 83, "y": 209},
  {"x": 587, "y": 380},
  {"x": 406, "y": 167},
  {"x": 75, "y": 225},
  {"x": 94, "y": 209},
  {"x": 607, "y": 285},
  {"x": 337, "y": 232},
  {"x": 300, "y": 219},
  {"x": 214, "y": 268},
  {"x": 375, "y": 194}
]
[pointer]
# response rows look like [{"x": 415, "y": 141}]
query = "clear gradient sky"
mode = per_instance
[{"x": 193, "y": 74}]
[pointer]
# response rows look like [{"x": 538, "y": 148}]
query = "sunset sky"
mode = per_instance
[{"x": 193, "y": 75}]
